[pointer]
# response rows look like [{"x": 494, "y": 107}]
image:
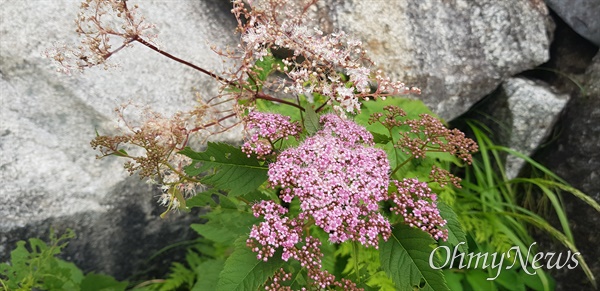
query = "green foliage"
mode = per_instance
[
  {"x": 180, "y": 277},
  {"x": 405, "y": 258},
  {"x": 99, "y": 282},
  {"x": 311, "y": 121},
  {"x": 207, "y": 274},
  {"x": 242, "y": 271},
  {"x": 233, "y": 169},
  {"x": 490, "y": 211},
  {"x": 35, "y": 266},
  {"x": 225, "y": 225}
]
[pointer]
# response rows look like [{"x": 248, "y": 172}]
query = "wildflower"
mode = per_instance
[{"x": 339, "y": 179}]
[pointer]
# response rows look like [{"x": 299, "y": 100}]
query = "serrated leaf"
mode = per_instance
[
  {"x": 243, "y": 271},
  {"x": 456, "y": 235},
  {"x": 405, "y": 258},
  {"x": 235, "y": 171},
  {"x": 311, "y": 121}
]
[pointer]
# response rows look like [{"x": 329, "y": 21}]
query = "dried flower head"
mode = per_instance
[{"x": 105, "y": 27}]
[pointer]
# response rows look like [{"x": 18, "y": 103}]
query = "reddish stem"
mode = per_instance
[
  {"x": 170, "y": 56},
  {"x": 261, "y": 95}
]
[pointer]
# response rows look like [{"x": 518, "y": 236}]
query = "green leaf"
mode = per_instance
[
  {"x": 380, "y": 138},
  {"x": 264, "y": 67},
  {"x": 311, "y": 121},
  {"x": 405, "y": 258},
  {"x": 97, "y": 282},
  {"x": 456, "y": 235},
  {"x": 243, "y": 271},
  {"x": 478, "y": 280},
  {"x": 510, "y": 279},
  {"x": 234, "y": 169},
  {"x": 226, "y": 225},
  {"x": 454, "y": 279},
  {"x": 256, "y": 196},
  {"x": 208, "y": 275},
  {"x": 535, "y": 282},
  {"x": 202, "y": 199},
  {"x": 179, "y": 277},
  {"x": 261, "y": 70}
]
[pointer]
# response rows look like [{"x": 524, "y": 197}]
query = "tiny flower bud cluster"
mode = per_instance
[
  {"x": 345, "y": 130},
  {"x": 426, "y": 134},
  {"x": 443, "y": 177},
  {"x": 267, "y": 128},
  {"x": 339, "y": 179},
  {"x": 432, "y": 135},
  {"x": 415, "y": 201}
]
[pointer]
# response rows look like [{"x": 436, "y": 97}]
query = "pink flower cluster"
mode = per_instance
[
  {"x": 280, "y": 231},
  {"x": 416, "y": 203},
  {"x": 276, "y": 231},
  {"x": 267, "y": 128},
  {"x": 339, "y": 179}
]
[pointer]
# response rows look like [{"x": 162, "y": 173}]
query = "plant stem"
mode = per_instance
[
  {"x": 322, "y": 106},
  {"x": 261, "y": 95},
  {"x": 400, "y": 166},
  {"x": 170, "y": 56},
  {"x": 244, "y": 200}
]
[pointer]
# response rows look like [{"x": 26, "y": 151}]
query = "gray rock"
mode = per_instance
[
  {"x": 534, "y": 109},
  {"x": 48, "y": 171},
  {"x": 581, "y": 15},
  {"x": 455, "y": 51},
  {"x": 520, "y": 115}
]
